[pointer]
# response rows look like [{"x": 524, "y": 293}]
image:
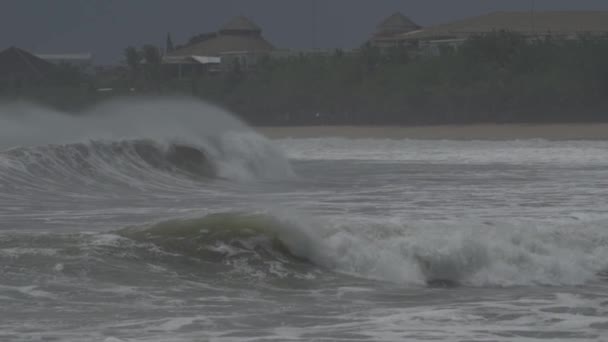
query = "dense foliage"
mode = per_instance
[{"x": 498, "y": 77}]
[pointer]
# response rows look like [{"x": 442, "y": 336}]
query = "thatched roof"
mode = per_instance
[
  {"x": 224, "y": 44},
  {"x": 17, "y": 62},
  {"x": 529, "y": 23},
  {"x": 396, "y": 23},
  {"x": 240, "y": 24},
  {"x": 238, "y": 35}
]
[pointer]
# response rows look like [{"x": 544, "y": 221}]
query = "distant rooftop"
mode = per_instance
[
  {"x": 237, "y": 35},
  {"x": 396, "y": 23},
  {"x": 240, "y": 24},
  {"x": 65, "y": 56},
  {"x": 15, "y": 61},
  {"x": 564, "y": 23}
]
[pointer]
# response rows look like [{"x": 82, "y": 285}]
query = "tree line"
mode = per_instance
[{"x": 499, "y": 77}]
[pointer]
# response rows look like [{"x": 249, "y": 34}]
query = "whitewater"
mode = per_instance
[{"x": 170, "y": 220}]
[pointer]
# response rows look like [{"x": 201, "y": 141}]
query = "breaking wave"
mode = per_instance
[
  {"x": 468, "y": 253},
  {"x": 257, "y": 240},
  {"x": 268, "y": 247},
  {"x": 485, "y": 255},
  {"x": 132, "y": 142},
  {"x": 166, "y": 143}
]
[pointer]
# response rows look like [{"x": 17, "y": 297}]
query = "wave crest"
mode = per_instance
[
  {"x": 141, "y": 162},
  {"x": 87, "y": 158},
  {"x": 140, "y": 142},
  {"x": 212, "y": 235},
  {"x": 416, "y": 255}
]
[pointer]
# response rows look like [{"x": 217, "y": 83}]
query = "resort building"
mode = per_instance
[
  {"x": 557, "y": 24},
  {"x": 239, "y": 43}
]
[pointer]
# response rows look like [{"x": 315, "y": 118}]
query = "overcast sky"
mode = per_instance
[{"x": 106, "y": 27}]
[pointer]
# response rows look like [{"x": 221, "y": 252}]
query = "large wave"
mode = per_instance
[
  {"x": 132, "y": 142},
  {"x": 264, "y": 247},
  {"x": 224, "y": 235},
  {"x": 420, "y": 254}
]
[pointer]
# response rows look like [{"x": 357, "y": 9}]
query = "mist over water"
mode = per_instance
[
  {"x": 145, "y": 126},
  {"x": 25, "y": 124},
  {"x": 169, "y": 219}
]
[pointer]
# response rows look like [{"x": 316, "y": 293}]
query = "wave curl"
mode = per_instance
[{"x": 485, "y": 255}]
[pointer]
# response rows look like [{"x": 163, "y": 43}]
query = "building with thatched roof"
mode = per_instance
[
  {"x": 390, "y": 28},
  {"x": 241, "y": 26},
  {"x": 18, "y": 66},
  {"x": 563, "y": 24},
  {"x": 239, "y": 41}
]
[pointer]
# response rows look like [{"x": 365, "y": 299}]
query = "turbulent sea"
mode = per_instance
[{"x": 167, "y": 220}]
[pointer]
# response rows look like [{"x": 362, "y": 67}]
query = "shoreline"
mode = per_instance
[{"x": 586, "y": 131}]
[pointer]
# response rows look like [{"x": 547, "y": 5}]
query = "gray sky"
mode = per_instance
[{"x": 106, "y": 27}]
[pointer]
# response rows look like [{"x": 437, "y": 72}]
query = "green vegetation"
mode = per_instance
[
  {"x": 64, "y": 87},
  {"x": 499, "y": 77}
]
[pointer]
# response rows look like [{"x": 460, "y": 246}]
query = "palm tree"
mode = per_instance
[
  {"x": 133, "y": 59},
  {"x": 169, "y": 47},
  {"x": 153, "y": 58}
]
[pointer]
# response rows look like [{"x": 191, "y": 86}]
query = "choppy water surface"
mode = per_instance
[{"x": 184, "y": 233}]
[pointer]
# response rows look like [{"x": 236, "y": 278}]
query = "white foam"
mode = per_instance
[
  {"x": 113, "y": 339},
  {"x": 32, "y": 291},
  {"x": 177, "y": 323},
  {"x": 248, "y": 156},
  {"x": 449, "y": 152},
  {"x": 110, "y": 240},
  {"x": 16, "y": 252},
  {"x": 467, "y": 252}
]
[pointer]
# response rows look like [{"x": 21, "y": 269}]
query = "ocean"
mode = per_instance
[{"x": 169, "y": 220}]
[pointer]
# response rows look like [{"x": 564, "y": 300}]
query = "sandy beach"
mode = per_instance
[{"x": 465, "y": 132}]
